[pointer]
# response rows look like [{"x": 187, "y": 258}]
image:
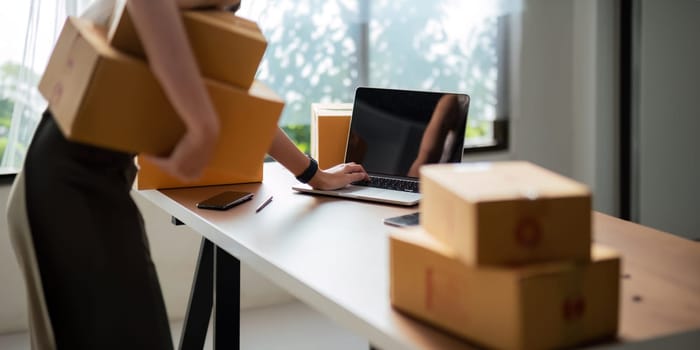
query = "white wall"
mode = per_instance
[
  {"x": 542, "y": 111},
  {"x": 595, "y": 107},
  {"x": 668, "y": 167}
]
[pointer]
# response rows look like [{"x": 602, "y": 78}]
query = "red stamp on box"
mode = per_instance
[
  {"x": 528, "y": 233},
  {"x": 573, "y": 308}
]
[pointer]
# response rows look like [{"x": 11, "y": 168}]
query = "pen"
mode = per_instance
[{"x": 263, "y": 204}]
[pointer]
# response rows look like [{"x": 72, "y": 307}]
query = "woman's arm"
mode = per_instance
[
  {"x": 171, "y": 60},
  {"x": 173, "y": 63},
  {"x": 287, "y": 153},
  {"x": 188, "y": 4}
]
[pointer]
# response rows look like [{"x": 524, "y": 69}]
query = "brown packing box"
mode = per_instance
[
  {"x": 105, "y": 98},
  {"x": 536, "y": 306},
  {"x": 227, "y": 48},
  {"x": 102, "y": 97},
  {"x": 330, "y": 124},
  {"x": 506, "y": 212},
  {"x": 245, "y": 138}
]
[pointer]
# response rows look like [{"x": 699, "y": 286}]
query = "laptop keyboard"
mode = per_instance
[{"x": 390, "y": 183}]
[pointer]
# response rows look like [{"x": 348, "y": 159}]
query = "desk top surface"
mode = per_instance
[{"x": 333, "y": 255}]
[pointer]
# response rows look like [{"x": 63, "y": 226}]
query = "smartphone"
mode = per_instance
[
  {"x": 403, "y": 220},
  {"x": 225, "y": 200}
]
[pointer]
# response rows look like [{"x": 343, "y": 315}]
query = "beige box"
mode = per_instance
[
  {"x": 103, "y": 97},
  {"x": 536, "y": 306},
  {"x": 506, "y": 212},
  {"x": 227, "y": 48},
  {"x": 330, "y": 125}
]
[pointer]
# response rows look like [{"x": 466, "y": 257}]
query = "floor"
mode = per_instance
[{"x": 294, "y": 326}]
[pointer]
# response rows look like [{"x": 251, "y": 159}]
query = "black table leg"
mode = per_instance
[
  {"x": 217, "y": 283},
  {"x": 194, "y": 329},
  {"x": 227, "y": 272}
]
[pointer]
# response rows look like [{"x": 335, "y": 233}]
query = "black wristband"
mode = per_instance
[{"x": 309, "y": 172}]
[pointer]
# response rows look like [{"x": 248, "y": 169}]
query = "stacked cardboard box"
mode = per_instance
[
  {"x": 330, "y": 125},
  {"x": 503, "y": 258},
  {"x": 227, "y": 48},
  {"x": 104, "y": 93}
]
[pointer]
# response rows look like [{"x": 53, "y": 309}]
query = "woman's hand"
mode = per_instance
[
  {"x": 285, "y": 152},
  {"x": 174, "y": 66},
  {"x": 190, "y": 156},
  {"x": 338, "y": 176}
]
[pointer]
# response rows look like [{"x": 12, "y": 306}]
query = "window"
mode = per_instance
[
  {"x": 319, "y": 51},
  {"x": 29, "y": 30}
]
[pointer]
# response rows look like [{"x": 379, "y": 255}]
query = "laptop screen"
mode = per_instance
[{"x": 394, "y": 132}]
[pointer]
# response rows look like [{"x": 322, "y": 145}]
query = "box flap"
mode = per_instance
[{"x": 496, "y": 181}]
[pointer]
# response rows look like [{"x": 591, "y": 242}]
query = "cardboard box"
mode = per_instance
[
  {"x": 106, "y": 98},
  {"x": 227, "y": 48},
  {"x": 506, "y": 212},
  {"x": 537, "y": 306},
  {"x": 248, "y": 126},
  {"x": 330, "y": 125}
]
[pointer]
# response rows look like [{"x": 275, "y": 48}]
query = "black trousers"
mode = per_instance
[{"x": 100, "y": 284}]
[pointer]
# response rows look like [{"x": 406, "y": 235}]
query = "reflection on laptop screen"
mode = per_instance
[{"x": 394, "y": 132}]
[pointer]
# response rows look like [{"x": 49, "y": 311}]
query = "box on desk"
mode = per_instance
[
  {"x": 227, "y": 48},
  {"x": 536, "y": 306},
  {"x": 506, "y": 212},
  {"x": 105, "y": 98},
  {"x": 330, "y": 125}
]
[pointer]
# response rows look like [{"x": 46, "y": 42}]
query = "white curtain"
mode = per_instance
[{"x": 45, "y": 19}]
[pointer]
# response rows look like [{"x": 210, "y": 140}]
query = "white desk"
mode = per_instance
[{"x": 333, "y": 255}]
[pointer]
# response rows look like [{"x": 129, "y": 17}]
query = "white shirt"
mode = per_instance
[{"x": 101, "y": 12}]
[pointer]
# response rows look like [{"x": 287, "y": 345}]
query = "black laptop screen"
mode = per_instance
[{"x": 394, "y": 132}]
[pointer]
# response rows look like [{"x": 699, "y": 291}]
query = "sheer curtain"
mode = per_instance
[{"x": 22, "y": 70}]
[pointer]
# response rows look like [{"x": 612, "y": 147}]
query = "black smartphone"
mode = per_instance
[
  {"x": 225, "y": 200},
  {"x": 403, "y": 220}
]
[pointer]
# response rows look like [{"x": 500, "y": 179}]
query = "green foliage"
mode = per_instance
[
  {"x": 3, "y": 145},
  {"x": 306, "y": 60},
  {"x": 412, "y": 45},
  {"x": 15, "y": 78},
  {"x": 5, "y": 120},
  {"x": 9, "y": 69},
  {"x": 20, "y": 150},
  {"x": 299, "y": 133},
  {"x": 6, "y": 106},
  {"x": 477, "y": 129}
]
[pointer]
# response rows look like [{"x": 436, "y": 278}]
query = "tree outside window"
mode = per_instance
[{"x": 321, "y": 50}]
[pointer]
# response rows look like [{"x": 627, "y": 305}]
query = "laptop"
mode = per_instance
[{"x": 392, "y": 133}]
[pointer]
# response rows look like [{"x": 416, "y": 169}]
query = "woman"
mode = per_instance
[{"x": 78, "y": 235}]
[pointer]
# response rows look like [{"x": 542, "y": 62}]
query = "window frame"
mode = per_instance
[{"x": 500, "y": 140}]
